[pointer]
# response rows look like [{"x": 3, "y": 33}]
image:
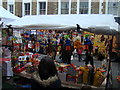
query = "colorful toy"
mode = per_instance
[{"x": 73, "y": 74}]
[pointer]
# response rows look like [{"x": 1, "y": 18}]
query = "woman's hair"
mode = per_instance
[{"x": 47, "y": 68}]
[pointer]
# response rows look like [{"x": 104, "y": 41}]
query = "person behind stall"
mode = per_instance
[
  {"x": 90, "y": 47},
  {"x": 79, "y": 51},
  {"x": 68, "y": 49},
  {"x": 46, "y": 77},
  {"x": 50, "y": 49},
  {"x": 96, "y": 50},
  {"x": 63, "y": 53},
  {"x": 30, "y": 46}
]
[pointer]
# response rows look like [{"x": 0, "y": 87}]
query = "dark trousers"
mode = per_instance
[
  {"x": 79, "y": 57},
  {"x": 89, "y": 59},
  {"x": 69, "y": 59}
]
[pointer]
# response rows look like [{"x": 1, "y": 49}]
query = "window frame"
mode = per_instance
[
  {"x": 43, "y": 9},
  {"x": 27, "y": 8},
  {"x": 65, "y": 10},
  {"x": 113, "y": 8},
  {"x": 84, "y": 7},
  {"x": 11, "y": 9}
]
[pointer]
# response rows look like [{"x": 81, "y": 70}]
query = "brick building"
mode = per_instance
[{"x": 45, "y": 7}]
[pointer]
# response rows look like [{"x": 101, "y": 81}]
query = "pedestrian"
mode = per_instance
[
  {"x": 79, "y": 51},
  {"x": 46, "y": 77},
  {"x": 89, "y": 58},
  {"x": 69, "y": 50},
  {"x": 63, "y": 54}
]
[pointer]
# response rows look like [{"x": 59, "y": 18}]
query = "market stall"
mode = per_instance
[
  {"x": 5, "y": 18},
  {"x": 20, "y": 63},
  {"x": 64, "y": 22}
]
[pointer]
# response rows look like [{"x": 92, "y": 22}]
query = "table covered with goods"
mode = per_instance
[{"x": 71, "y": 76}]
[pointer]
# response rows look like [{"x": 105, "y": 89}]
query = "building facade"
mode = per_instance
[{"x": 46, "y": 7}]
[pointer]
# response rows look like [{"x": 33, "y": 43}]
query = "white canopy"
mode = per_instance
[
  {"x": 91, "y": 22},
  {"x": 6, "y": 16}
]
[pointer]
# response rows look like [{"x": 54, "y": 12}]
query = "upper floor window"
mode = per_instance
[
  {"x": 113, "y": 8},
  {"x": 42, "y": 8},
  {"x": 0, "y": 2},
  {"x": 11, "y": 8},
  {"x": 27, "y": 8},
  {"x": 65, "y": 7},
  {"x": 83, "y": 7}
]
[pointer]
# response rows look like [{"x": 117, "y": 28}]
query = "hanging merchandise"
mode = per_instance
[
  {"x": 26, "y": 35},
  {"x": 87, "y": 35},
  {"x": 54, "y": 40},
  {"x": 37, "y": 46},
  {"x": 77, "y": 44},
  {"x": 67, "y": 44},
  {"x": 16, "y": 46},
  {"x": 66, "y": 36},
  {"x": 98, "y": 78},
  {"x": 85, "y": 71},
  {"x": 87, "y": 42},
  {"x": 12, "y": 38},
  {"x": 32, "y": 36},
  {"x": 22, "y": 34}
]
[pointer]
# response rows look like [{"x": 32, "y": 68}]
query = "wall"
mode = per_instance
[
  {"x": 18, "y": 8},
  {"x": 73, "y": 6},
  {"x": 34, "y": 7},
  {"x": 4, "y": 4},
  {"x": 94, "y": 7},
  {"x": 52, "y": 7}
]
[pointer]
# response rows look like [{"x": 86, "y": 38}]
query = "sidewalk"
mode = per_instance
[{"x": 115, "y": 73}]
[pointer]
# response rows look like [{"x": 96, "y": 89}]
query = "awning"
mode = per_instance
[
  {"x": 6, "y": 17},
  {"x": 96, "y": 23}
]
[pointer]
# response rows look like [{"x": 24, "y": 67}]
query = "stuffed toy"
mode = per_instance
[{"x": 67, "y": 44}]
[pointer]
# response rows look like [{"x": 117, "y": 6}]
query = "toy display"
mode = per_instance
[{"x": 27, "y": 55}]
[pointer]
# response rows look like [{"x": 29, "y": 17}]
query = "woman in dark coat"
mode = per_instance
[{"x": 46, "y": 76}]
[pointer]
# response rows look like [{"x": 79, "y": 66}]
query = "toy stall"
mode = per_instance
[
  {"x": 6, "y": 45},
  {"x": 72, "y": 76},
  {"x": 33, "y": 46}
]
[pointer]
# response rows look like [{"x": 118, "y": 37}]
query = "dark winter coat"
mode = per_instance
[{"x": 51, "y": 82}]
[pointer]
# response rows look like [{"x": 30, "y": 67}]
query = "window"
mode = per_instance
[
  {"x": 83, "y": 8},
  {"x": 42, "y": 8},
  {"x": 11, "y": 8},
  {"x": 65, "y": 7},
  {"x": 0, "y": 2},
  {"x": 112, "y": 8},
  {"x": 27, "y": 8}
]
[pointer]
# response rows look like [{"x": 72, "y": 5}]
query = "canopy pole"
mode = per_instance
[
  {"x": 10, "y": 30},
  {"x": 109, "y": 73}
]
